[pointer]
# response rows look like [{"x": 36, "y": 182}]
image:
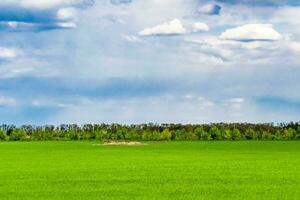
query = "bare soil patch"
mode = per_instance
[{"x": 114, "y": 143}]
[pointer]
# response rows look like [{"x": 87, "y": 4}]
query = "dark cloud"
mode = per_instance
[
  {"x": 15, "y": 17},
  {"x": 19, "y": 14},
  {"x": 215, "y": 10},
  {"x": 275, "y": 103},
  {"x": 209, "y": 9}
]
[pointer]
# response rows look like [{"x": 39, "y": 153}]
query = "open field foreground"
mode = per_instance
[{"x": 163, "y": 170}]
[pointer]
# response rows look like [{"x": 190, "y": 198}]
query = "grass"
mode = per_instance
[{"x": 170, "y": 170}]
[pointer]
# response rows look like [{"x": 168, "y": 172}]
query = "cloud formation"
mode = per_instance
[
  {"x": 200, "y": 27},
  {"x": 252, "y": 32},
  {"x": 107, "y": 68},
  {"x": 7, "y": 101},
  {"x": 6, "y": 53},
  {"x": 174, "y": 27}
]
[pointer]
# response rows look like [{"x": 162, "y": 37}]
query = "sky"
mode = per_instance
[{"x": 140, "y": 61}]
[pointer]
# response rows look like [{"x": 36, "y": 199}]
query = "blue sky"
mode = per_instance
[{"x": 136, "y": 61}]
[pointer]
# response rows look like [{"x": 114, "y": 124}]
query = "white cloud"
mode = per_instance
[
  {"x": 132, "y": 38},
  {"x": 287, "y": 15},
  {"x": 25, "y": 26},
  {"x": 66, "y": 14},
  {"x": 171, "y": 28},
  {"x": 13, "y": 24},
  {"x": 204, "y": 102},
  {"x": 235, "y": 103},
  {"x": 288, "y": 19},
  {"x": 232, "y": 51},
  {"x": 7, "y": 101},
  {"x": 200, "y": 27},
  {"x": 6, "y": 53},
  {"x": 295, "y": 46},
  {"x": 50, "y": 102},
  {"x": 252, "y": 32},
  {"x": 26, "y": 64},
  {"x": 138, "y": 110},
  {"x": 66, "y": 24},
  {"x": 236, "y": 100},
  {"x": 199, "y": 101}
]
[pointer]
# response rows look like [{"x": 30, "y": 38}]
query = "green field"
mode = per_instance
[{"x": 167, "y": 170}]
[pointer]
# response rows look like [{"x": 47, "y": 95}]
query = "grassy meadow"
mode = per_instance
[{"x": 157, "y": 170}]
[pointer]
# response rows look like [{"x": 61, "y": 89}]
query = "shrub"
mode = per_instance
[
  {"x": 179, "y": 135},
  {"x": 226, "y": 134},
  {"x": 146, "y": 135},
  {"x": 236, "y": 134},
  {"x": 202, "y": 134},
  {"x": 18, "y": 134},
  {"x": 166, "y": 134},
  {"x": 101, "y": 135},
  {"x": 121, "y": 133},
  {"x": 266, "y": 135},
  {"x": 72, "y": 135},
  {"x": 87, "y": 135},
  {"x": 133, "y": 134},
  {"x": 250, "y": 134},
  {"x": 215, "y": 133},
  {"x": 190, "y": 135},
  {"x": 185, "y": 135},
  {"x": 278, "y": 135},
  {"x": 289, "y": 134},
  {"x": 40, "y": 134},
  {"x": 155, "y": 136},
  {"x": 298, "y": 133},
  {"x": 3, "y": 136}
]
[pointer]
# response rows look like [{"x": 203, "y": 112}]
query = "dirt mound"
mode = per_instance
[{"x": 122, "y": 143}]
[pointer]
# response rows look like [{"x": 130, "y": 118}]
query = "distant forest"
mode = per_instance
[{"x": 152, "y": 132}]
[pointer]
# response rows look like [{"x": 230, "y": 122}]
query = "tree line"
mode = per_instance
[{"x": 152, "y": 132}]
